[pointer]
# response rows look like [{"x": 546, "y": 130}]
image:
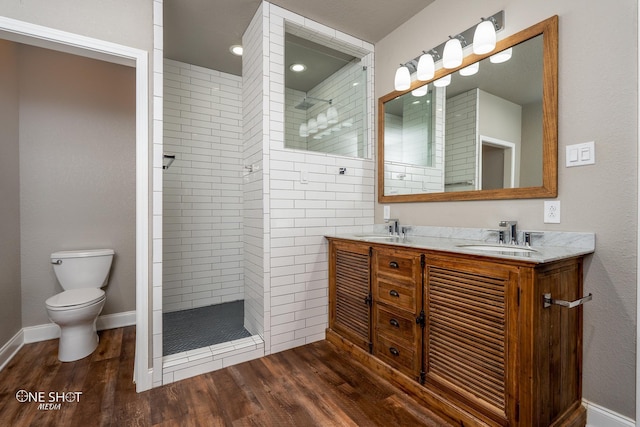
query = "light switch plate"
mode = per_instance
[
  {"x": 387, "y": 212},
  {"x": 581, "y": 154}
]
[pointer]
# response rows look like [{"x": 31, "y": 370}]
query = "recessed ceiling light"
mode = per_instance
[
  {"x": 236, "y": 49},
  {"x": 298, "y": 68}
]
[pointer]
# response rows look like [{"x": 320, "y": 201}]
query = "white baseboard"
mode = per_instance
[
  {"x": 50, "y": 331},
  {"x": 598, "y": 416},
  {"x": 116, "y": 320},
  {"x": 11, "y": 348}
]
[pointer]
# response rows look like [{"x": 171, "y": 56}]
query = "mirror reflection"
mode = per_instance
[{"x": 482, "y": 131}]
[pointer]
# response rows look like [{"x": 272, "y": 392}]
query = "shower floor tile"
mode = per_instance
[{"x": 201, "y": 327}]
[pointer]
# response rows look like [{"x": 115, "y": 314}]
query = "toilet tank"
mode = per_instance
[{"x": 82, "y": 268}]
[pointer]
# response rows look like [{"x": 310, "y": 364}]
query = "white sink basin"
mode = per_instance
[{"x": 498, "y": 248}]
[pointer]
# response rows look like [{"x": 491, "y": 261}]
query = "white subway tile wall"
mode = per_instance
[
  {"x": 460, "y": 150},
  {"x": 346, "y": 90},
  {"x": 401, "y": 174},
  {"x": 203, "y": 191},
  {"x": 158, "y": 143},
  {"x": 308, "y": 198},
  {"x": 253, "y": 101}
]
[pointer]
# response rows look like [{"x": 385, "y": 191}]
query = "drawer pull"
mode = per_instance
[
  {"x": 394, "y": 351},
  {"x": 393, "y": 264},
  {"x": 394, "y": 293},
  {"x": 394, "y": 322}
]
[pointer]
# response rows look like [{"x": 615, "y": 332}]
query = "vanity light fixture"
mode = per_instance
[
  {"x": 332, "y": 115},
  {"x": 403, "y": 78},
  {"x": 322, "y": 121},
  {"x": 312, "y": 126},
  {"x": 484, "y": 38},
  {"x": 443, "y": 81},
  {"x": 453, "y": 55},
  {"x": 421, "y": 91},
  {"x": 426, "y": 66},
  {"x": 236, "y": 49},
  {"x": 501, "y": 57},
  {"x": 470, "y": 70},
  {"x": 304, "y": 130}
]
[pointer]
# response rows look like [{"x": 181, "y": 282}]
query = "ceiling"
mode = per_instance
[{"x": 200, "y": 32}]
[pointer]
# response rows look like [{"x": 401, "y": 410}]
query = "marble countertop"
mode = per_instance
[{"x": 549, "y": 246}]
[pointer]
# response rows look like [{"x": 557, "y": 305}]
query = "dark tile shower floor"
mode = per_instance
[{"x": 201, "y": 327}]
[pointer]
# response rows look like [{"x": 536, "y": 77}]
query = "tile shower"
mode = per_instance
[
  {"x": 202, "y": 208},
  {"x": 282, "y": 223}
]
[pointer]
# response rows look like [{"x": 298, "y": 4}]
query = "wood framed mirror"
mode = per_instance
[{"x": 488, "y": 136}]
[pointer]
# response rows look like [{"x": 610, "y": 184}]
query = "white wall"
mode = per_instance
[
  {"x": 202, "y": 197},
  {"x": 10, "y": 283},
  {"x": 601, "y": 198},
  {"x": 77, "y": 172}
]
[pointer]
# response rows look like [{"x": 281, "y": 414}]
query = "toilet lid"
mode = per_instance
[{"x": 75, "y": 297}]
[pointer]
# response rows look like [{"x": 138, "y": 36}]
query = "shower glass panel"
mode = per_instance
[{"x": 325, "y": 104}]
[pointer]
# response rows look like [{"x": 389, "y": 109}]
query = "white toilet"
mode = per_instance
[{"x": 81, "y": 274}]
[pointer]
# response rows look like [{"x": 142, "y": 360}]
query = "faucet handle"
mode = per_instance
[{"x": 528, "y": 236}]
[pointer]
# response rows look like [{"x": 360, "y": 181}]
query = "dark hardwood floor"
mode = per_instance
[{"x": 313, "y": 385}]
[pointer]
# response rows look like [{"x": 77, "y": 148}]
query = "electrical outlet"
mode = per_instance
[{"x": 552, "y": 211}]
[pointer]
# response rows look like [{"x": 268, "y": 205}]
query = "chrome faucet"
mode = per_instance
[
  {"x": 512, "y": 229},
  {"x": 394, "y": 226}
]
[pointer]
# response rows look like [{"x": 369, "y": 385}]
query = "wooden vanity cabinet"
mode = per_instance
[
  {"x": 471, "y": 333},
  {"x": 397, "y": 303},
  {"x": 350, "y": 292},
  {"x": 490, "y": 352}
]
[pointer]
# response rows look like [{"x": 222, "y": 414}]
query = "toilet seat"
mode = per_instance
[{"x": 75, "y": 298}]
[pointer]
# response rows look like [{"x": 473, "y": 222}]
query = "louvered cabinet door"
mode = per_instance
[
  {"x": 470, "y": 336},
  {"x": 349, "y": 291}
]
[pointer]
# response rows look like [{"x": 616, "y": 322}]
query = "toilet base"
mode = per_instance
[{"x": 77, "y": 342}]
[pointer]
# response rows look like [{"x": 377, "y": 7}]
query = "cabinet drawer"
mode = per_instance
[
  {"x": 396, "y": 293},
  {"x": 398, "y": 326},
  {"x": 399, "y": 264},
  {"x": 397, "y": 354}
]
